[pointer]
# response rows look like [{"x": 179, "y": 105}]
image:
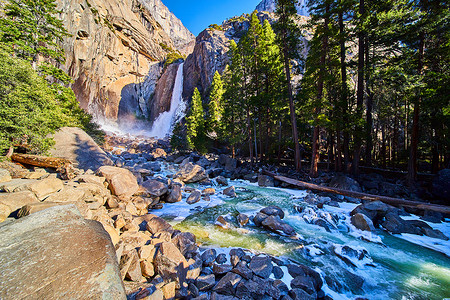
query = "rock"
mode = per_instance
[
  {"x": 208, "y": 257},
  {"x": 74, "y": 144},
  {"x": 259, "y": 218},
  {"x": 147, "y": 253},
  {"x": 300, "y": 294},
  {"x": 38, "y": 206},
  {"x": 155, "y": 188},
  {"x": 205, "y": 282},
  {"x": 237, "y": 252},
  {"x": 242, "y": 219},
  {"x": 273, "y": 211},
  {"x": 221, "y": 269},
  {"x": 261, "y": 266},
  {"x": 31, "y": 249},
  {"x": 265, "y": 181},
  {"x": 5, "y": 176},
  {"x": 221, "y": 181},
  {"x": 277, "y": 272},
  {"x": 434, "y": 233},
  {"x": 190, "y": 173},
  {"x": 395, "y": 225},
  {"x": 230, "y": 192},
  {"x": 174, "y": 195},
  {"x": 296, "y": 270},
  {"x": 158, "y": 152},
  {"x": 194, "y": 197},
  {"x": 303, "y": 282},
  {"x": 170, "y": 263},
  {"x": 157, "y": 224},
  {"x": 227, "y": 284},
  {"x": 169, "y": 290},
  {"x": 375, "y": 210},
  {"x": 220, "y": 221},
  {"x": 441, "y": 185},
  {"x": 68, "y": 193},
  {"x": 249, "y": 290},
  {"x": 221, "y": 258},
  {"x": 234, "y": 260},
  {"x": 122, "y": 182},
  {"x": 185, "y": 242},
  {"x": 362, "y": 222},
  {"x": 134, "y": 271},
  {"x": 242, "y": 270},
  {"x": 10, "y": 202},
  {"x": 208, "y": 191},
  {"x": 345, "y": 183},
  {"x": 275, "y": 224},
  {"x": 16, "y": 185}
]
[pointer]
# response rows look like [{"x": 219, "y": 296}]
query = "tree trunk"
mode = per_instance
[
  {"x": 359, "y": 93},
  {"x": 412, "y": 163},
  {"x": 320, "y": 83},
  {"x": 344, "y": 88}
]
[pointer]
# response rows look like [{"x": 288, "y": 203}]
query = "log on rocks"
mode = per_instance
[
  {"x": 369, "y": 197},
  {"x": 63, "y": 166}
]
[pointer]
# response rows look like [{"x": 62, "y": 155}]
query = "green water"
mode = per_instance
[{"x": 402, "y": 270}]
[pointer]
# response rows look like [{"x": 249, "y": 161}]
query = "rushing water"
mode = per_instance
[
  {"x": 163, "y": 125},
  {"x": 393, "y": 268}
]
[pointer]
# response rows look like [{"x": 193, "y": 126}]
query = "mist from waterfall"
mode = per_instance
[{"x": 163, "y": 125}]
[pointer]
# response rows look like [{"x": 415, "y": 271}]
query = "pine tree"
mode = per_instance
[
  {"x": 288, "y": 39},
  {"x": 195, "y": 124},
  {"x": 215, "y": 107}
]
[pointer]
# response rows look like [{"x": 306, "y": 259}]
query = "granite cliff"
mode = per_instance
[{"x": 116, "y": 51}]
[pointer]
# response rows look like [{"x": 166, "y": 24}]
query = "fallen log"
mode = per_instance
[
  {"x": 369, "y": 197},
  {"x": 63, "y": 166}
]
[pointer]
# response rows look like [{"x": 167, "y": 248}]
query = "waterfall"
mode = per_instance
[{"x": 163, "y": 125}]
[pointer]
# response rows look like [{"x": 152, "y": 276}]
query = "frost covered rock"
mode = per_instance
[
  {"x": 362, "y": 222},
  {"x": 190, "y": 173}
]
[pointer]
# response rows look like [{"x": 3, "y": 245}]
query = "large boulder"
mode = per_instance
[
  {"x": 122, "y": 182},
  {"x": 261, "y": 266},
  {"x": 5, "y": 176},
  {"x": 265, "y": 181},
  {"x": 44, "y": 188},
  {"x": 362, "y": 222},
  {"x": 174, "y": 195},
  {"x": 74, "y": 144},
  {"x": 275, "y": 224},
  {"x": 345, "y": 183},
  {"x": 190, "y": 173},
  {"x": 56, "y": 254},
  {"x": 155, "y": 188},
  {"x": 170, "y": 262}
]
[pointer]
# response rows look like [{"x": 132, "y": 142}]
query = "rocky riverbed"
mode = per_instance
[{"x": 185, "y": 226}]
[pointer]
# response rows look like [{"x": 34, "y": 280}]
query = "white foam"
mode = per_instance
[{"x": 163, "y": 125}]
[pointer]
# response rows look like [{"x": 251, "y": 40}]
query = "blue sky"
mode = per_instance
[{"x": 198, "y": 15}]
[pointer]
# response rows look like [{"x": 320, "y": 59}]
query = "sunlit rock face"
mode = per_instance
[
  {"x": 270, "y": 6},
  {"x": 115, "y": 51}
]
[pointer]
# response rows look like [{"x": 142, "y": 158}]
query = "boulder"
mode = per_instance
[
  {"x": 10, "y": 202},
  {"x": 170, "y": 263},
  {"x": 221, "y": 269},
  {"x": 265, "y": 181},
  {"x": 155, "y": 188},
  {"x": 227, "y": 284},
  {"x": 275, "y": 224},
  {"x": 259, "y": 218},
  {"x": 345, "y": 183},
  {"x": 208, "y": 191},
  {"x": 43, "y": 188},
  {"x": 208, "y": 257},
  {"x": 31, "y": 253},
  {"x": 174, "y": 195},
  {"x": 230, "y": 191},
  {"x": 194, "y": 197},
  {"x": 221, "y": 258},
  {"x": 277, "y": 272},
  {"x": 190, "y": 173},
  {"x": 375, "y": 210},
  {"x": 249, "y": 290},
  {"x": 362, "y": 222},
  {"x": 185, "y": 242},
  {"x": 221, "y": 181},
  {"x": 243, "y": 270},
  {"x": 205, "y": 282},
  {"x": 122, "y": 182},
  {"x": 5, "y": 176},
  {"x": 220, "y": 221},
  {"x": 38, "y": 206},
  {"x": 74, "y": 144},
  {"x": 68, "y": 193},
  {"x": 16, "y": 185},
  {"x": 157, "y": 224},
  {"x": 242, "y": 219},
  {"x": 261, "y": 266},
  {"x": 273, "y": 210}
]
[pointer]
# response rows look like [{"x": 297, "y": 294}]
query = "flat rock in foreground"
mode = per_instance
[
  {"x": 56, "y": 254},
  {"x": 77, "y": 146}
]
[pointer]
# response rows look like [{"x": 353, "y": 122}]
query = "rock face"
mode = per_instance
[
  {"x": 209, "y": 56},
  {"x": 115, "y": 49},
  {"x": 77, "y": 146},
  {"x": 163, "y": 92},
  {"x": 270, "y": 6},
  {"x": 36, "y": 264}
]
